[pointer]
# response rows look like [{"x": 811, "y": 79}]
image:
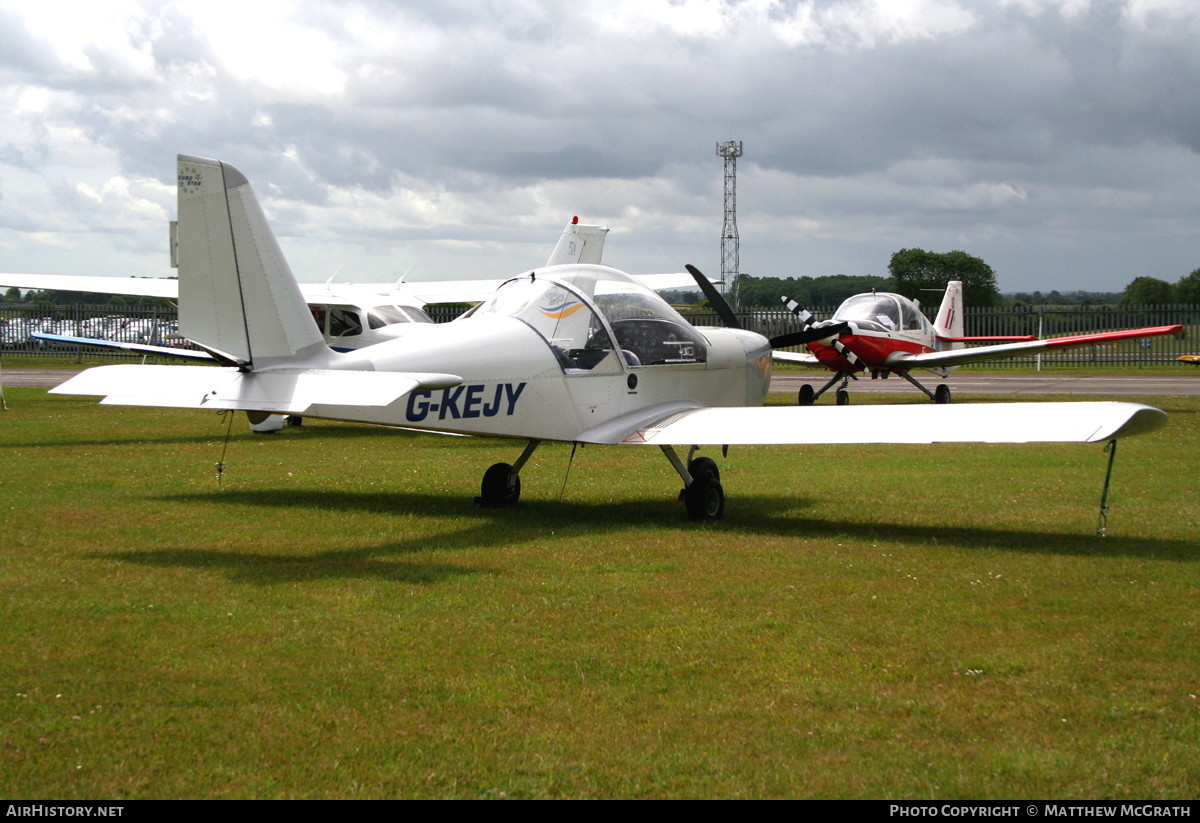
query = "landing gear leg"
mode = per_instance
[
  {"x": 501, "y": 484},
  {"x": 807, "y": 396},
  {"x": 941, "y": 396},
  {"x": 702, "y": 494}
]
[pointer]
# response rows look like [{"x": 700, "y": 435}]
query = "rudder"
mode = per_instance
[{"x": 237, "y": 294}]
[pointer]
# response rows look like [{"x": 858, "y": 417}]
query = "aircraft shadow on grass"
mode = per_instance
[{"x": 534, "y": 519}]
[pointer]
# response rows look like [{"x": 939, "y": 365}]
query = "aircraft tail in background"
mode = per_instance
[
  {"x": 949, "y": 322},
  {"x": 578, "y": 244}
]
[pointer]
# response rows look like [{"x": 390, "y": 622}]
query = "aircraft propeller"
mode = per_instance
[
  {"x": 823, "y": 331},
  {"x": 724, "y": 311}
]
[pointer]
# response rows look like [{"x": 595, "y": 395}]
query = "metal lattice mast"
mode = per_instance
[{"x": 731, "y": 150}]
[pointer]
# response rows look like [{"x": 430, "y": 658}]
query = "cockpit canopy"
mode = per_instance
[
  {"x": 581, "y": 310},
  {"x": 883, "y": 311}
]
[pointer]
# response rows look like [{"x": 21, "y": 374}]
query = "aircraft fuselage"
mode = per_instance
[{"x": 531, "y": 395}]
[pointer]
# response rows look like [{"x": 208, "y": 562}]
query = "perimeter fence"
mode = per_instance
[{"x": 158, "y": 325}]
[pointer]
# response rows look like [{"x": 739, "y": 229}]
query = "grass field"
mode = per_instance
[{"x": 337, "y": 620}]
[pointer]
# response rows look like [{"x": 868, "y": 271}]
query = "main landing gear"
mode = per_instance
[
  {"x": 501, "y": 484},
  {"x": 806, "y": 395},
  {"x": 941, "y": 396},
  {"x": 702, "y": 494}
]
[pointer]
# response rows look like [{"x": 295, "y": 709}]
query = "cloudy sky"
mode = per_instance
[{"x": 1056, "y": 139}]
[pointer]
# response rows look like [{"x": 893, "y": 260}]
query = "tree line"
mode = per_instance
[
  {"x": 916, "y": 273},
  {"x": 1152, "y": 290},
  {"x": 912, "y": 272}
]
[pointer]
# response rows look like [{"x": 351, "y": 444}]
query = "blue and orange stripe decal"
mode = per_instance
[{"x": 562, "y": 310}]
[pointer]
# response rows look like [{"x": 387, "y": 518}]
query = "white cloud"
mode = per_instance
[{"x": 268, "y": 43}]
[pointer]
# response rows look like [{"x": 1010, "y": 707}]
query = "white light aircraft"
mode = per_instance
[
  {"x": 578, "y": 353},
  {"x": 349, "y": 315}
]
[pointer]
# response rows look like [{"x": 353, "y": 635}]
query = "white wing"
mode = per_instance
[
  {"x": 417, "y": 293},
  {"x": 920, "y": 423},
  {"x": 281, "y": 391},
  {"x": 803, "y": 358},
  {"x": 137, "y": 286}
]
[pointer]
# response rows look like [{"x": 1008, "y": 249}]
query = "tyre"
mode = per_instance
[
  {"x": 500, "y": 487},
  {"x": 704, "y": 466},
  {"x": 704, "y": 499}
]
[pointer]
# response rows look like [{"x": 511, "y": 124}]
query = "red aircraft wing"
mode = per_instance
[{"x": 958, "y": 357}]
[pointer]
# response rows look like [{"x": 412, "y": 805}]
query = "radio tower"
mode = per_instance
[{"x": 731, "y": 150}]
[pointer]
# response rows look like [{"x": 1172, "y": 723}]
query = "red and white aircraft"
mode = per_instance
[
  {"x": 576, "y": 352},
  {"x": 881, "y": 333}
]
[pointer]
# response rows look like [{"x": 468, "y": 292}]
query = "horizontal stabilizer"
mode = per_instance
[
  {"x": 282, "y": 392},
  {"x": 966, "y": 423}
]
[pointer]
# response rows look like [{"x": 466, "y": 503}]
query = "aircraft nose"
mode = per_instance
[{"x": 836, "y": 329}]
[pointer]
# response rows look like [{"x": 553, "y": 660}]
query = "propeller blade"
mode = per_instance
[
  {"x": 803, "y": 314},
  {"x": 714, "y": 297},
  {"x": 799, "y": 338}
]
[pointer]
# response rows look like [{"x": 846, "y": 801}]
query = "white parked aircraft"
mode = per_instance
[
  {"x": 578, "y": 353},
  {"x": 349, "y": 315}
]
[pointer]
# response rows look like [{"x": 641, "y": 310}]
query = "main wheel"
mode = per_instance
[
  {"x": 843, "y": 397},
  {"x": 500, "y": 487},
  {"x": 806, "y": 395},
  {"x": 704, "y": 499},
  {"x": 941, "y": 394},
  {"x": 704, "y": 466}
]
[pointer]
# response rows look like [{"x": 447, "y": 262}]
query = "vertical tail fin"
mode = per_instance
[
  {"x": 237, "y": 295},
  {"x": 578, "y": 244},
  {"x": 949, "y": 322}
]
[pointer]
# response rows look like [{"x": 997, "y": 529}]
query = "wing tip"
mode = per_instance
[{"x": 1140, "y": 420}]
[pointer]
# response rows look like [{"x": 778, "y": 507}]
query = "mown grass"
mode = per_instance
[{"x": 339, "y": 621}]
